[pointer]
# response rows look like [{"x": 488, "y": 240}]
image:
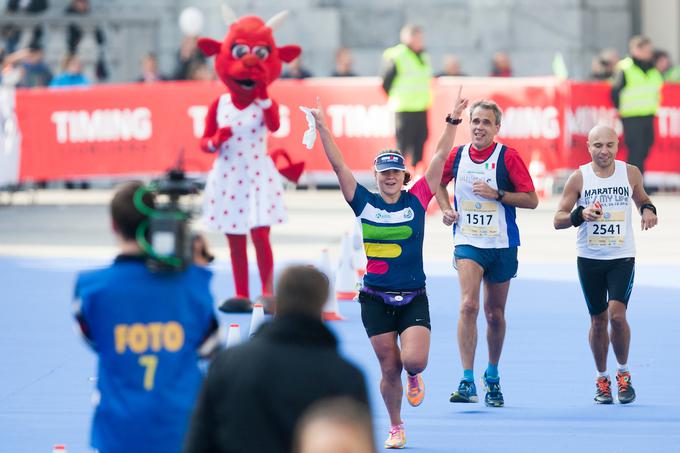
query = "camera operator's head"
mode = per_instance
[
  {"x": 301, "y": 290},
  {"x": 125, "y": 216}
]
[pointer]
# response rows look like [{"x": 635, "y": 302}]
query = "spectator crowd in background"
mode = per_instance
[
  {"x": 23, "y": 64},
  {"x": 22, "y": 59}
]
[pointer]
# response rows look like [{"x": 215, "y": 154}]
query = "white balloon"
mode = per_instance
[{"x": 191, "y": 21}]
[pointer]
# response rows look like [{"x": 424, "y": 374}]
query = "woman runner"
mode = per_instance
[{"x": 393, "y": 300}]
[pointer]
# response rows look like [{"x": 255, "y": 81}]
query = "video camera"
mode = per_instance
[{"x": 165, "y": 237}]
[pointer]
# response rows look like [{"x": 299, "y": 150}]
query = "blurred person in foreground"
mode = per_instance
[
  {"x": 148, "y": 330},
  {"x": 636, "y": 93},
  {"x": 407, "y": 74},
  {"x": 604, "y": 191},
  {"x": 256, "y": 392},
  {"x": 336, "y": 425}
]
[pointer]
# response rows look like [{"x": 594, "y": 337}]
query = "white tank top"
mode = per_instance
[
  {"x": 482, "y": 223},
  {"x": 612, "y": 237}
]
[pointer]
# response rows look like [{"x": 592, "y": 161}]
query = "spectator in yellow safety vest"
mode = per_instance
[{"x": 636, "y": 93}]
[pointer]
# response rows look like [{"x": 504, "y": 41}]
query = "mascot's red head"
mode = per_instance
[{"x": 247, "y": 61}]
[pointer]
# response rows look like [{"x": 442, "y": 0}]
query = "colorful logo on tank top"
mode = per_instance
[{"x": 377, "y": 250}]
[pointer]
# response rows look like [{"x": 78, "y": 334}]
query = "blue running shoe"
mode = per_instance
[
  {"x": 493, "y": 397},
  {"x": 466, "y": 393}
]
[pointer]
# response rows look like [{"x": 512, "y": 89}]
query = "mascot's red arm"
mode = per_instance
[
  {"x": 271, "y": 114},
  {"x": 212, "y": 137}
]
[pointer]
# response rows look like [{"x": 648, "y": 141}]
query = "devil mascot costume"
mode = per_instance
[{"x": 244, "y": 192}]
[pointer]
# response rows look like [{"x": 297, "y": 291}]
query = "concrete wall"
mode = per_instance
[
  {"x": 661, "y": 22},
  {"x": 531, "y": 31}
]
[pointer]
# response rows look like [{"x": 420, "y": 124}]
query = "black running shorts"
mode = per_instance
[
  {"x": 379, "y": 317},
  {"x": 605, "y": 280}
]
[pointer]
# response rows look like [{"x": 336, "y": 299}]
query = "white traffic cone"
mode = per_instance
[
  {"x": 331, "y": 310},
  {"x": 345, "y": 275},
  {"x": 538, "y": 174},
  {"x": 359, "y": 254},
  {"x": 234, "y": 335},
  {"x": 256, "y": 319}
]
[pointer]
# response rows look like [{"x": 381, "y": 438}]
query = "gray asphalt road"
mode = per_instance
[{"x": 54, "y": 223}]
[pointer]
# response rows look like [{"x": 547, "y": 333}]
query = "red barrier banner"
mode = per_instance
[
  {"x": 590, "y": 104},
  {"x": 110, "y": 130},
  {"x": 123, "y": 130}
]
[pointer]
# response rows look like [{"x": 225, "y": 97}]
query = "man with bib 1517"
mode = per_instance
[{"x": 490, "y": 181}]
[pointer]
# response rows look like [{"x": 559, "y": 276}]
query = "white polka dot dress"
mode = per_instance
[{"x": 244, "y": 189}]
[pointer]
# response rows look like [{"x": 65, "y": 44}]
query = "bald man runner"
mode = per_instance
[{"x": 603, "y": 191}]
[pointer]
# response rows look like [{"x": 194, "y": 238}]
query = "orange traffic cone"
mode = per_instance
[
  {"x": 345, "y": 275},
  {"x": 331, "y": 310}
]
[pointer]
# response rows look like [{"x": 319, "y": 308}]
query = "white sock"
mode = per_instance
[
  {"x": 622, "y": 368},
  {"x": 602, "y": 374}
]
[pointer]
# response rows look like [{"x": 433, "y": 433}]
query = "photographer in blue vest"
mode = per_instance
[{"x": 148, "y": 329}]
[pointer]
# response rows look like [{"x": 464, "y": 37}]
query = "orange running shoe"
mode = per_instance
[
  {"x": 626, "y": 391},
  {"x": 416, "y": 389},
  {"x": 603, "y": 394},
  {"x": 397, "y": 437}
]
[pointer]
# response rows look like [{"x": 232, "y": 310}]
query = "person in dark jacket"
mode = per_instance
[{"x": 255, "y": 392}]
